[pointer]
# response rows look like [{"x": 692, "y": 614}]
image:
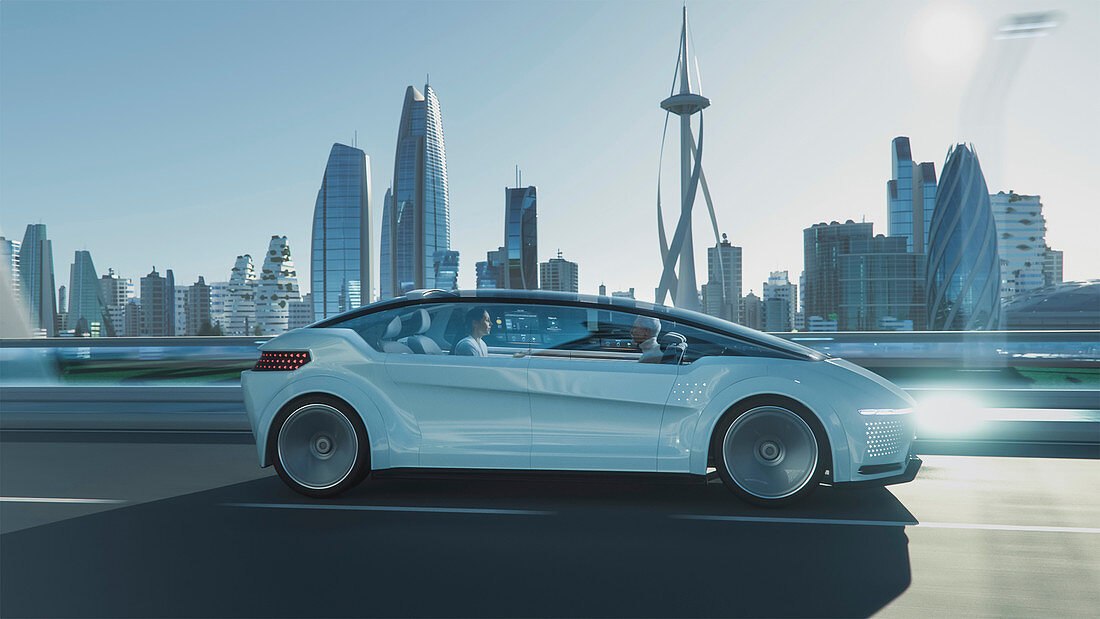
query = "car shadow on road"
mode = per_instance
[{"x": 598, "y": 547}]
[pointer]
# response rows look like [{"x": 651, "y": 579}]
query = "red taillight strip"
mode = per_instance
[{"x": 285, "y": 361}]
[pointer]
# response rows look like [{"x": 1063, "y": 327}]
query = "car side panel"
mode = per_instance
[{"x": 707, "y": 388}]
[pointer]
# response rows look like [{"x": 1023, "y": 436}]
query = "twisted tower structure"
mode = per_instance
[{"x": 681, "y": 284}]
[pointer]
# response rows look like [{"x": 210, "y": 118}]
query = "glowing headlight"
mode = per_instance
[{"x": 885, "y": 411}]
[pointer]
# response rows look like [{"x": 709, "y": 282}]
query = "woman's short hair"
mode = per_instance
[{"x": 475, "y": 314}]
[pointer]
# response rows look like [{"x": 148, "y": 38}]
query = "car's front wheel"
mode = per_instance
[
  {"x": 770, "y": 453},
  {"x": 321, "y": 447}
]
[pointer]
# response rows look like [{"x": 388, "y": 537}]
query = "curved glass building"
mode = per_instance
[
  {"x": 87, "y": 309},
  {"x": 385, "y": 264},
  {"x": 521, "y": 236},
  {"x": 964, "y": 270},
  {"x": 420, "y": 221},
  {"x": 339, "y": 267}
]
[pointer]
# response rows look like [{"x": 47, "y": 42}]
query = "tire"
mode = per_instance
[
  {"x": 320, "y": 446},
  {"x": 770, "y": 452}
]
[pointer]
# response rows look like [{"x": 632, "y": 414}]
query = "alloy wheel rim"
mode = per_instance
[
  {"x": 317, "y": 446},
  {"x": 770, "y": 452}
]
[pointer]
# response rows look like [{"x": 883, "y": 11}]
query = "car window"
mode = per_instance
[{"x": 701, "y": 343}]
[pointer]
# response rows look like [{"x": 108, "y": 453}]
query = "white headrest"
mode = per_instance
[
  {"x": 425, "y": 322},
  {"x": 392, "y": 329}
]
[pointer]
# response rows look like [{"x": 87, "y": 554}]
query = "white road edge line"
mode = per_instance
[
  {"x": 36, "y": 499},
  {"x": 396, "y": 508},
  {"x": 894, "y": 523}
]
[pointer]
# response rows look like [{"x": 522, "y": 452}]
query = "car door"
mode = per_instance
[
  {"x": 594, "y": 405},
  {"x": 472, "y": 412}
]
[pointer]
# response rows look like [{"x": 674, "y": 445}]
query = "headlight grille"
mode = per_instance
[{"x": 885, "y": 437}]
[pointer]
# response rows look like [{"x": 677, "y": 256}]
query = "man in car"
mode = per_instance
[{"x": 644, "y": 333}]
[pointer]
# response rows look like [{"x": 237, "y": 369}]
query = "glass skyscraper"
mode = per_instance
[
  {"x": 36, "y": 282},
  {"x": 385, "y": 261},
  {"x": 911, "y": 196},
  {"x": 881, "y": 283},
  {"x": 446, "y": 269},
  {"x": 823, "y": 244},
  {"x": 964, "y": 273},
  {"x": 420, "y": 223},
  {"x": 521, "y": 238},
  {"x": 340, "y": 266},
  {"x": 87, "y": 307},
  {"x": 158, "y": 304}
]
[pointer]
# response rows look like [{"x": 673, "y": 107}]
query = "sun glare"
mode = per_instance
[{"x": 946, "y": 39}]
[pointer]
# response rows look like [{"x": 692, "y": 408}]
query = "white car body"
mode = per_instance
[{"x": 542, "y": 410}]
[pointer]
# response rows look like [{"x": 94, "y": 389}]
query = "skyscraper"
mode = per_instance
[
  {"x": 779, "y": 286},
  {"x": 385, "y": 258},
  {"x": 964, "y": 273},
  {"x": 197, "y": 308},
  {"x": 881, "y": 285},
  {"x": 36, "y": 282},
  {"x": 521, "y": 238},
  {"x": 490, "y": 272},
  {"x": 9, "y": 263},
  {"x": 1021, "y": 242},
  {"x": 87, "y": 307},
  {"x": 117, "y": 292},
  {"x": 158, "y": 304},
  {"x": 420, "y": 222},
  {"x": 1052, "y": 267},
  {"x": 911, "y": 196},
  {"x": 341, "y": 248},
  {"x": 559, "y": 274},
  {"x": 277, "y": 288},
  {"x": 722, "y": 292},
  {"x": 240, "y": 306},
  {"x": 823, "y": 245},
  {"x": 752, "y": 311},
  {"x": 446, "y": 269}
]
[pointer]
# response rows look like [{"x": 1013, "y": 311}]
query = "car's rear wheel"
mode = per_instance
[
  {"x": 321, "y": 447},
  {"x": 770, "y": 453}
]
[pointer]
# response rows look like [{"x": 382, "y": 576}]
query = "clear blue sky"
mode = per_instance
[{"x": 182, "y": 134}]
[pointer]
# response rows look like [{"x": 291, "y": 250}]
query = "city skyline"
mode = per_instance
[{"x": 609, "y": 188}]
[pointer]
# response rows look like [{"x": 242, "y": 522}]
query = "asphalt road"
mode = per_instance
[{"x": 185, "y": 525}]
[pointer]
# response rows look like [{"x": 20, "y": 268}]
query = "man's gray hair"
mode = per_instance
[{"x": 649, "y": 322}]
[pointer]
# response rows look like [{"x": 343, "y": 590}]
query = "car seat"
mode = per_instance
[
  {"x": 416, "y": 325},
  {"x": 393, "y": 331}
]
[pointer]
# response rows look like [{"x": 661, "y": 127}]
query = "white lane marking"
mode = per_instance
[
  {"x": 37, "y": 499},
  {"x": 396, "y": 508},
  {"x": 895, "y": 523}
]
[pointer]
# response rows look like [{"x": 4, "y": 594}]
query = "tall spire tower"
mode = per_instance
[{"x": 681, "y": 284}]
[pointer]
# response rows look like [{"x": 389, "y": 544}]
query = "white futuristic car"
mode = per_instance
[{"x": 523, "y": 380}]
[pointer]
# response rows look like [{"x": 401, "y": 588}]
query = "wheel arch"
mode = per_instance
[
  {"x": 354, "y": 398},
  {"x": 761, "y": 399}
]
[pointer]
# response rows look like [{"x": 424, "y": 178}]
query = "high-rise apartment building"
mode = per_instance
[
  {"x": 881, "y": 285},
  {"x": 1021, "y": 242},
  {"x": 559, "y": 274},
  {"x": 779, "y": 286},
  {"x": 823, "y": 244},
  {"x": 277, "y": 288},
  {"x": 964, "y": 267},
  {"x": 301, "y": 312},
  {"x": 219, "y": 297},
  {"x": 181, "y": 310},
  {"x": 446, "y": 269},
  {"x": 197, "y": 309},
  {"x": 722, "y": 292},
  {"x": 240, "y": 304},
  {"x": 490, "y": 272},
  {"x": 752, "y": 311},
  {"x": 158, "y": 305},
  {"x": 341, "y": 249},
  {"x": 36, "y": 281},
  {"x": 776, "y": 314},
  {"x": 117, "y": 292},
  {"x": 521, "y": 238},
  {"x": 9, "y": 264},
  {"x": 910, "y": 196},
  {"x": 420, "y": 223},
  {"x": 1052, "y": 267},
  {"x": 87, "y": 306},
  {"x": 131, "y": 317}
]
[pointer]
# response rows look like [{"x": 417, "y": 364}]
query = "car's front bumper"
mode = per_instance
[{"x": 907, "y": 474}]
